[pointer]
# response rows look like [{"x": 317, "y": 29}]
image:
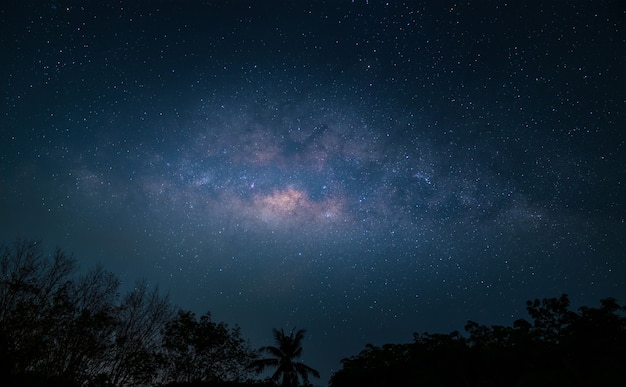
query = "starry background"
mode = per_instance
[{"x": 364, "y": 170}]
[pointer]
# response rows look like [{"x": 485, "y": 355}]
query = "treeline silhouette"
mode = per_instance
[
  {"x": 59, "y": 328},
  {"x": 558, "y": 348}
]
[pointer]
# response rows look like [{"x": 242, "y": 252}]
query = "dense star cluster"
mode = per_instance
[{"x": 364, "y": 170}]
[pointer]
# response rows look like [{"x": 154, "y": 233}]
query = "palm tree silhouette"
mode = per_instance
[{"x": 283, "y": 358}]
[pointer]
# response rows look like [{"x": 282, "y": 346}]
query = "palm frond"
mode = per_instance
[
  {"x": 278, "y": 335},
  {"x": 271, "y": 350},
  {"x": 304, "y": 371},
  {"x": 299, "y": 335}
]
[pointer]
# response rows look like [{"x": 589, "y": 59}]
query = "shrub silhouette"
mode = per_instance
[{"x": 560, "y": 347}]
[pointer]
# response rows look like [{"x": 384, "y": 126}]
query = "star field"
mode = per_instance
[{"x": 363, "y": 170}]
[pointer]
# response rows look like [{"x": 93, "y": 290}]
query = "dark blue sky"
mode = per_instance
[{"x": 364, "y": 170}]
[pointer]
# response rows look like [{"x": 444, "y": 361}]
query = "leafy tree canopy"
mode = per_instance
[
  {"x": 59, "y": 328},
  {"x": 559, "y": 347}
]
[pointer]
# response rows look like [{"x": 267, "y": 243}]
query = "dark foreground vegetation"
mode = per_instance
[
  {"x": 58, "y": 328},
  {"x": 558, "y": 348}
]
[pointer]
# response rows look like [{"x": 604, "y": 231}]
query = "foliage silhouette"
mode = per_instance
[
  {"x": 141, "y": 317},
  {"x": 204, "y": 350},
  {"x": 560, "y": 347},
  {"x": 57, "y": 328},
  {"x": 52, "y": 327},
  {"x": 283, "y": 358}
]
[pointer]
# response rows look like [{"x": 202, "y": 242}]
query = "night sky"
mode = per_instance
[{"x": 363, "y": 170}]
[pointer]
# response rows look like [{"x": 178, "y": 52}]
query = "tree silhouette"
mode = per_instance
[
  {"x": 283, "y": 358},
  {"x": 559, "y": 347},
  {"x": 203, "y": 350},
  {"x": 141, "y": 317},
  {"x": 58, "y": 328}
]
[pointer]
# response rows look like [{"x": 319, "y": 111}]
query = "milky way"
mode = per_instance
[{"x": 320, "y": 169}]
